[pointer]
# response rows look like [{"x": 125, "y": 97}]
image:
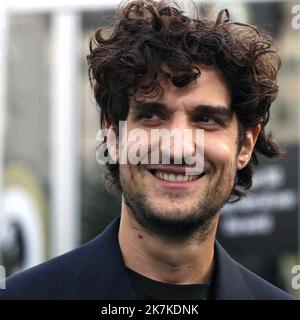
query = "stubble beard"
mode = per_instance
[{"x": 180, "y": 226}]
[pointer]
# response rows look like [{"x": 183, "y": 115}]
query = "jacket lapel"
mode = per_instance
[
  {"x": 229, "y": 283},
  {"x": 102, "y": 274}
]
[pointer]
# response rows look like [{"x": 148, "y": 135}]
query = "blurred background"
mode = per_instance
[{"x": 52, "y": 196}]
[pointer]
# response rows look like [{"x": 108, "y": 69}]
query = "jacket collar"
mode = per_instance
[
  {"x": 102, "y": 273},
  {"x": 228, "y": 283}
]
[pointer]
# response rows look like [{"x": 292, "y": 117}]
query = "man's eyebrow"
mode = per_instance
[{"x": 222, "y": 111}]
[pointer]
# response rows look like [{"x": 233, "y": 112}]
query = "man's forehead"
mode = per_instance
[
  {"x": 209, "y": 88},
  {"x": 186, "y": 98}
]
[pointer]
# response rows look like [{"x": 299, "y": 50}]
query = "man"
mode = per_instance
[{"x": 159, "y": 69}]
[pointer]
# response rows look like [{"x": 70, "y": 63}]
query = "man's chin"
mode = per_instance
[
  {"x": 174, "y": 225},
  {"x": 175, "y": 220},
  {"x": 173, "y": 207},
  {"x": 172, "y": 215}
]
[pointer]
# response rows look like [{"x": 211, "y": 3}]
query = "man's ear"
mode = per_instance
[{"x": 245, "y": 153}]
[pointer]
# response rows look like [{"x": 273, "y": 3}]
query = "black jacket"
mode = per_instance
[{"x": 96, "y": 270}]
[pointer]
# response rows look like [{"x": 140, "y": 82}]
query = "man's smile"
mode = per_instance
[{"x": 172, "y": 177}]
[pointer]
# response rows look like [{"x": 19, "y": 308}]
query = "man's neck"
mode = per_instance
[{"x": 155, "y": 257}]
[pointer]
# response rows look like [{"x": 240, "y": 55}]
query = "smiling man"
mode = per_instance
[
  {"x": 168, "y": 225},
  {"x": 159, "y": 69}
]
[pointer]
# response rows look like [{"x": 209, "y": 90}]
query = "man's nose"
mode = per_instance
[{"x": 182, "y": 141}]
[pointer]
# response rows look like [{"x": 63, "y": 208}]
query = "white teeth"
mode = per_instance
[
  {"x": 174, "y": 177},
  {"x": 179, "y": 177},
  {"x": 171, "y": 177}
]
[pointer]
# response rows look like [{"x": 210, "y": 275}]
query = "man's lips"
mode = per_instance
[
  {"x": 168, "y": 169},
  {"x": 168, "y": 184}
]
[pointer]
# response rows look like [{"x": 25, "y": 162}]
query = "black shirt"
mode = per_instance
[{"x": 148, "y": 289}]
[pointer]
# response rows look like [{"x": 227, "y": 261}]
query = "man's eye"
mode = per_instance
[
  {"x": 149, "y": 116},
  {"x": 207, "y": 120}
]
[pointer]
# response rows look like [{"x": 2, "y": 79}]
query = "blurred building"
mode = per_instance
[{"x": 52, "y": 192}]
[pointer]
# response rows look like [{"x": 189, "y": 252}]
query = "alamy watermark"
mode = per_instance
[
  {"x": 296, "y": 279},
  {"x": 154, "y": 146},
  {"x": 2, "y": 278},
  {"x": 295, "y": 22}
]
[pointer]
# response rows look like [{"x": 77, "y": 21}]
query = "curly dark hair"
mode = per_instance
[{"x": 150, "y": 34}]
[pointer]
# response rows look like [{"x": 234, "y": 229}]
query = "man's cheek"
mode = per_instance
[
  {"x": 218, "y": 151},
  {"x": 135, "y": 173}
]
